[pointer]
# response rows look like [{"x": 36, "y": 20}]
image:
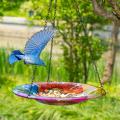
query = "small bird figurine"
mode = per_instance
[{"x": 33, "y": 48}]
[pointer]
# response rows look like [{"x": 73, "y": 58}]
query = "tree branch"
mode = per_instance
[
  {"x": 111, "y": 55},
  {"x": 113, "y": 16},
  {"x": 115, "y": 7},
  {"x": 64, "y": 37},
  {"x": 102, "y": 12}
]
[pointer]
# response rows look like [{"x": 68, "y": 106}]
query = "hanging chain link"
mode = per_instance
[
  {"x": 89, "y": 44},
  {"x": 55, "y": 9},
  {"x": 48, "y": 13},
  {"x": 32, "y": 79},
  {"x": 51, "y": 49}
]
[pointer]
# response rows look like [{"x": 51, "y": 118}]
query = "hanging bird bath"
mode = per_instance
[
  {"x": 52, "y": 93},
  {"x": 59, "y": 93}
]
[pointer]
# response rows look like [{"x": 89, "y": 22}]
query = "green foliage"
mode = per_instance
[
  {"x": 78, "y": 62},
  {"x": 75, "y": 21},
  {"x": 71, "y": 16},
  {"x": 10, "y": 7},
  {"x": 78, "y": 24},
  {"x": 75, "y": 45}
]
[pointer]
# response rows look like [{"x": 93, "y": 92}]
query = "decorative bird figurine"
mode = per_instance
[{"x": 33, "y": 48}]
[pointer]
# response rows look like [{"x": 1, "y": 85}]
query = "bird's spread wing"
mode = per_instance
[{"x": 38, "y": 41}]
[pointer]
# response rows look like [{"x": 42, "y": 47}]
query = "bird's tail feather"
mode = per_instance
[{"x": 14, "y": 56}]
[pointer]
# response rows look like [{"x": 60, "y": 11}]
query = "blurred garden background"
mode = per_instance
[{"x": 80, "y": 24}]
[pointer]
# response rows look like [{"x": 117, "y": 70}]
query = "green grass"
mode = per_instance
[{"x": 16, "y": 108}]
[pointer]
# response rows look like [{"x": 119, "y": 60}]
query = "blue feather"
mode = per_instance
[
  {"x": 17, "y": 52},
  {"x": 34, "y": 47},
  {"x": 13, "y": 58},
  {"x": 38, "y": 41},
  {"x": 31, "y": 88}
]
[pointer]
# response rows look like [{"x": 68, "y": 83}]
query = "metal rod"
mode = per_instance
[
  {"x": 32, "y": 79},
  {"x": 51, "y": 49}
]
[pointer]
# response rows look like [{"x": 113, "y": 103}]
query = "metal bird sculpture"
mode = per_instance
[{"x": 33, "y": 48}]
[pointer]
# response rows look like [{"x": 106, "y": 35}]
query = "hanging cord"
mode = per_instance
[
  {"x": 51, "y": 49},
  {"x": 89, "y": 44},
  {"x": 48, "y": 13},
  {"x": 32, "y": 79},
  {"x": 92, "y": 58}
]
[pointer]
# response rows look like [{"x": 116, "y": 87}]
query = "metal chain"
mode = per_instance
[
  {"x": 51, "y": 49},
  {"x": 48, "y": 13},
  {"x": 89, "y": 44},
  {"x": 32, "y": 79},
  {"x": 55, "y": 9},
  {"x": 92, "y": 58}
]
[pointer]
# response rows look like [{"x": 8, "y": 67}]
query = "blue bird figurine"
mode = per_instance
[{"x": 33, "y": 48}]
